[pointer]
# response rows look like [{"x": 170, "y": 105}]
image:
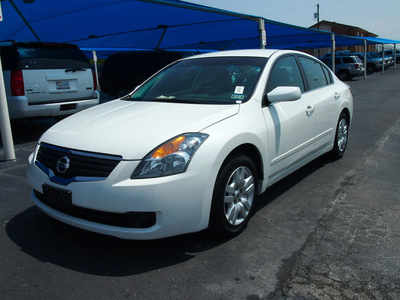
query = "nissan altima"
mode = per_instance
[{"x": 193, "y": 146}]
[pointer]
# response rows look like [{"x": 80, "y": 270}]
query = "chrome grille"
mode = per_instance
[{"x": 81, "y": 164}]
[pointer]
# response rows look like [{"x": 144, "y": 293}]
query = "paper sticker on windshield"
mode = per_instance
[
  {"x": 239, "y": 90},
  {"x": 166, "y": 97},
  {"x": 237, "y": 97}
]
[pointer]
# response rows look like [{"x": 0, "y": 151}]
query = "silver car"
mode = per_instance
[{"x": 346, "y": 66}]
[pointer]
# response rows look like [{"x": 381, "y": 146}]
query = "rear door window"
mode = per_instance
[
  {"x": 314, "y": 73},
  {"x": 348, "y": 60},
  {"x": 51, "y": 56}
]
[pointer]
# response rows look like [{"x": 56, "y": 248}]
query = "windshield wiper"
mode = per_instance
[{"x": 74, "y": 70}]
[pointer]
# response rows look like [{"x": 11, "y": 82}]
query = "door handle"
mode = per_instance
[
  {"x": 310, "y": 110},
  {"x": 337, "y": 96}
]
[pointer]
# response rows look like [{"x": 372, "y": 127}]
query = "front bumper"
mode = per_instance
[{"x": 181, "y": 203}]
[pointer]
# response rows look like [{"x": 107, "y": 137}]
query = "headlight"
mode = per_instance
[{"x": 170, "y": 158}]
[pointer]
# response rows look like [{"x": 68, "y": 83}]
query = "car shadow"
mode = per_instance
[{"x": 48, "y": 240}]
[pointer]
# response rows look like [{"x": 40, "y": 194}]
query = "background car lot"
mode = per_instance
[{"x": 325, "y": 230}]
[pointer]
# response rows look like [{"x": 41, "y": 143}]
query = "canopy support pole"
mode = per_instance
[
  {"x": 94, "y": 53},
  {"x": 395, "y": 56},
  {"x": 383, "y": 59},
  {"x": 365, "y": 59},
  {"x": 333, "y": 52},
  {"x": 5, "y": 126},
  {"x": 263, "y": 33}
]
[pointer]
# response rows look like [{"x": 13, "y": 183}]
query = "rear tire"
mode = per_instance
[
  {"x": 343, "y": 75},
  {"x": 234, "y": 196},
  {"x": 370, "y": 68}
]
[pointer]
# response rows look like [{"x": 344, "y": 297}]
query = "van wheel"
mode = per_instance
[
  {"x": 370, "y": 68},
  {"x": 234, "y": 195},
  {"x": 343, "y": 75},
  {"x": 341, "y": 137}
]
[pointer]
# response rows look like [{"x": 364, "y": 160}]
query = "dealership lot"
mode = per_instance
[{"x": 330, "y": 229}]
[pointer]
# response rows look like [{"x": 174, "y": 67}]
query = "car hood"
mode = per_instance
[{"x": 133, "y": 129}]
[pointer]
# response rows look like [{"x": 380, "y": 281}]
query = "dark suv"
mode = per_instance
[{"x": 123, "y": 71}]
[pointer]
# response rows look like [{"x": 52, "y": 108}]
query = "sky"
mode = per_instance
[{"x": 381, "y": 18}]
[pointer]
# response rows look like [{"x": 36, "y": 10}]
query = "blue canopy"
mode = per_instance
[
  {"x": 286, "y": 36},
  {"x": 151, "y": 24},
  {"x": 146, "y": 24}
]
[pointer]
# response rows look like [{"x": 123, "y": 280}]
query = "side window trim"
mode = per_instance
[{"x": 303, "y": 74}]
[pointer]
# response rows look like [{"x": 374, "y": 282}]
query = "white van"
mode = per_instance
[{"x": 47, "y": 79}]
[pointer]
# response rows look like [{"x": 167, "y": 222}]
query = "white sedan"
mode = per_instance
[{"x": 193, "y": 146}]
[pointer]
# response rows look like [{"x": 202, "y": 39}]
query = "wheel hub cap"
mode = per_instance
[
  {"x": 239, "y": 195},
  {"x": 342, "y": 135}
]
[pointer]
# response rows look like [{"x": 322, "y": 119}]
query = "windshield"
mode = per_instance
[{"x": 217, "y": 80}]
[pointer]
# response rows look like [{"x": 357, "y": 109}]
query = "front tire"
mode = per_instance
[
  {"x": 234, "y": 196},
  {"x": 341, "y": 137}
]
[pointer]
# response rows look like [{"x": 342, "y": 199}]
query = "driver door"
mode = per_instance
[{"x": 290, "y": 125}]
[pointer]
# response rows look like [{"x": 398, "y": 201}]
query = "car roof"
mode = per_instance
[{"x": 267, "y": 53}]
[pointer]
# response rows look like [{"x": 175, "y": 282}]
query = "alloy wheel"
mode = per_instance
[{"x": 239, "y": 195}]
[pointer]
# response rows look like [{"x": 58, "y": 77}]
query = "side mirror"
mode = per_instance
[{"x": 284, "y": 93}]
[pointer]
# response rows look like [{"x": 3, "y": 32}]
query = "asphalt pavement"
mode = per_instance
[{"x": 329, "y": 231}]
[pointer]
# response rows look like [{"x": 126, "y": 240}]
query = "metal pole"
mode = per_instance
[
  {"x": 333, "y": 52},
  {"x": 319, "y": 49},
  {"x": 365, "y": 59},
  {"x": 394, "y": 55},
  {"x": 383, "y": 59},
  {"x": 95, "y": 68},
  {"x": 5, "y": 126},
  {"x": 263, "y": 33}
]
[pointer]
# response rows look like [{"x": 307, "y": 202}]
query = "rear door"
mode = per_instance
[
  {"x": 323, "y": 103},
  {"x": 55, "y": 72}
]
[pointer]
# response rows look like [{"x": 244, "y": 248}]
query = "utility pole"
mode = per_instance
[{"x": 316, "y": 16}]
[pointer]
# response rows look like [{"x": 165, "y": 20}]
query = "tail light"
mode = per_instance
[
  {"x": 357, "y": 66},
  {"x": 94, "y": 80},
  {"x": 17, "y": 83}
]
